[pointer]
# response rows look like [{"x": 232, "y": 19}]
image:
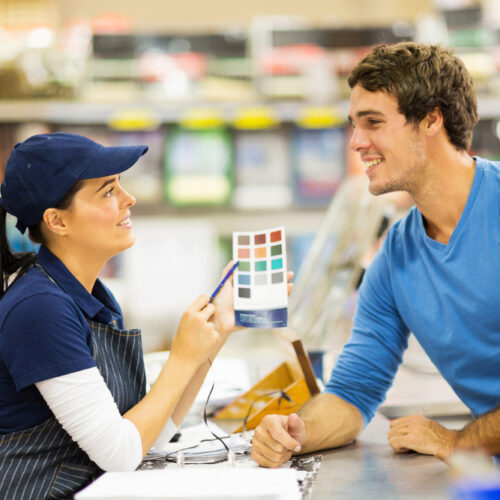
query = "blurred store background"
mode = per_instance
[{"x": 243, "y": 105}]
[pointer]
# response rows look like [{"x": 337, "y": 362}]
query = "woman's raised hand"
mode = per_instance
[{"x": 196, "y": 335}]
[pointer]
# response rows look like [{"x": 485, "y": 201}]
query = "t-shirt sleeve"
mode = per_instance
[
  {"x": 366, "y": 367},
  {"x": 45, "y": 336}
]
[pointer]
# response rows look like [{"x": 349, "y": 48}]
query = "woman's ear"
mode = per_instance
[{"x": 55, "y": 221}]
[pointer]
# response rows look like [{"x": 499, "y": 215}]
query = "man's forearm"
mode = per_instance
[
  {"x": 330, "y": 422},
  {"x": 483, "y": 432}
]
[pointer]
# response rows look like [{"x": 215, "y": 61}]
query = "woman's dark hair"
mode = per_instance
[{"x": 19, "y": 262}]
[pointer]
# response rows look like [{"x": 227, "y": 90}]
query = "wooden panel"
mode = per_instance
[{"x": 307, "y": 369}]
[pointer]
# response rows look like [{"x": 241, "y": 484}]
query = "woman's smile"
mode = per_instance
[{"x": 125, "y": 223}]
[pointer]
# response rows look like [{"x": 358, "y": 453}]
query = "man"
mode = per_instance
[{"x": 412, "y": 109}]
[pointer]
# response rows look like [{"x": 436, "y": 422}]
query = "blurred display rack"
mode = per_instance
[
  {"x": 298, "y": 219},
  {"x": 87, "y": 113}
]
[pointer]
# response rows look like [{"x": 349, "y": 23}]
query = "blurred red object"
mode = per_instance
[
  {"x": 156, "y": 66},
  {"x": 291, "y": 59},
  {"x": 111, "y": 24}
]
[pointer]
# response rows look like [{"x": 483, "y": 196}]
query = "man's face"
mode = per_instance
[{"x": 390, "y": 148}]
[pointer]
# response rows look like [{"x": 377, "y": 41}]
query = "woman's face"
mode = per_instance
[{"x": 98, "y": 219}]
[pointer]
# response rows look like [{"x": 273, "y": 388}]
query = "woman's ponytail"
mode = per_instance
[{"x": 11, "y": 263}]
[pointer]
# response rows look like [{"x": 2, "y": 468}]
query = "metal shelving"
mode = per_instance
[{"x": 96, "y": 112}]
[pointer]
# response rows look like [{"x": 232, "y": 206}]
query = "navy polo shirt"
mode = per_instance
[{"x": 44, "y": 334}]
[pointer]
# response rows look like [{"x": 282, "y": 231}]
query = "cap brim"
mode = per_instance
[{"x": 112, "y": 160}]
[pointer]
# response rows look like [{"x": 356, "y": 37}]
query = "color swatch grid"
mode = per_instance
[{"x": 260, "y": 291}]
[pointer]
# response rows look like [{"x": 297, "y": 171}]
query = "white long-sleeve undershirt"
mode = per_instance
[{"x": 84, "y": 406}]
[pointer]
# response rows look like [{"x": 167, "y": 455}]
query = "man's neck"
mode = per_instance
[{"x": 443, "y": 197}]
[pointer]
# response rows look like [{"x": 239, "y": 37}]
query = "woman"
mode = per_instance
[{"x": 73, "y": 396}]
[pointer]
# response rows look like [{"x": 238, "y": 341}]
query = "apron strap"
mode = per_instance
[{"x": 44, "y": 271}]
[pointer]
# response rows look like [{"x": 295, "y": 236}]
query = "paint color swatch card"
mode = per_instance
[{"x": 260, "y": 284}]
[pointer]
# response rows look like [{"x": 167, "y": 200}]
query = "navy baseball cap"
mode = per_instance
[{"x": 42, "y": 169}]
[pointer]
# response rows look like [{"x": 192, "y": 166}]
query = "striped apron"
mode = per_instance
[{"x": 43, "y": 462}]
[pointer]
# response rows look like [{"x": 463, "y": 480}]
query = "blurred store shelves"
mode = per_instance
[{"x": 247, "y": 128}]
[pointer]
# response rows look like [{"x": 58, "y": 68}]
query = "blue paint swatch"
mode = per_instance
[
  {"x": 276, "y": 263},
  {"x": 243, "y": 279}
]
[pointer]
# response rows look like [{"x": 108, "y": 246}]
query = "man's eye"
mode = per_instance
[
  {"x": 109, "y": 191},
  {"x": 374, "y": 122}
]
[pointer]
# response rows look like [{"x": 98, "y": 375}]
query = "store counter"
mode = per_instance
[
  {"x": 369, "y": 469},
  {"x": 366, "y": 469}
]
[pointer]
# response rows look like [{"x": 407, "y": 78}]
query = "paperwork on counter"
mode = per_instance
[
  {"x": 181, "y": 483},
  {"x": 209, "y": 478}
]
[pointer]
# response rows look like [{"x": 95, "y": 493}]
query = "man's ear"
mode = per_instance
[
  {"x": 55, "y": 221},
  {"x": 433, "y": 122}
]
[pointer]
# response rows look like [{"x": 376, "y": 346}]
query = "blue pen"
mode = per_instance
[{"x": 221, "y": 284}]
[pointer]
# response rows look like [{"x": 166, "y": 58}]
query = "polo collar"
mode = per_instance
[{"x": 97, "y": 305}]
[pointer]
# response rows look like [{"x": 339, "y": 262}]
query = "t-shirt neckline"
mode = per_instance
[{"x": 465, "y": 213}]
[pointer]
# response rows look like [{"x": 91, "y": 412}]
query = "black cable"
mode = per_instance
[
  {"x": 281, "y": 392},
  {"x": 216, "y": 437},
  {"x": 205, "y": 415},
  {"x": 167, "y": 455}
]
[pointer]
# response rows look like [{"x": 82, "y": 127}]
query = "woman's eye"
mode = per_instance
[{"x": 109, "y": 191}]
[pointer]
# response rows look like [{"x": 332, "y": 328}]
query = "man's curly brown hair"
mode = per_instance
[{"x": 423, "y": 77}]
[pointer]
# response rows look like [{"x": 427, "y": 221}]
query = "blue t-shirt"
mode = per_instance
[
  {"x": 447, "y": 295},
  {"x": 44, "y": 334}
]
